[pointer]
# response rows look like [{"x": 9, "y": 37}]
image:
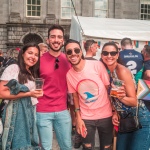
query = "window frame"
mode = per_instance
[
  {"x": 101, "y": 9},
  {"x": 71, "y": 9},
  {"x": 145, "y": 12},
  {"x": 36, "y": 10}
]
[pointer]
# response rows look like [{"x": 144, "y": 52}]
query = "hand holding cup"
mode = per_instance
[
  {"x": 117, "y": 88},
  {"x": 39, "y": 82}
]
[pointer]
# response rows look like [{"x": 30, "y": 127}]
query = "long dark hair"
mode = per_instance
[{"x": 24, "y": 75}]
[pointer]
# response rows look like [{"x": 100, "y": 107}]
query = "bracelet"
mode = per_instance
[{"x": 77, "y": 109}]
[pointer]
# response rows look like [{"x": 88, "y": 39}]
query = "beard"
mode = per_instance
[
  {"x": 55, "y": 50},
  {"x": 76, "y": 63}
]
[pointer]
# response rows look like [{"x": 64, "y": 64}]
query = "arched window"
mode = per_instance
[{"x": 31, "y": 37}]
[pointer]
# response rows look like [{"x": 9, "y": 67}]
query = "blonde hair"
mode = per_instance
[{"x": 42, "y": 45}]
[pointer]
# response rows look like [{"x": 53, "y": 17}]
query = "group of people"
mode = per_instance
[{"x": 31, "y": 115}]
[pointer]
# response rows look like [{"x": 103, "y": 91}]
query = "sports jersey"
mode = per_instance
[{"x": 133, "y": 60}]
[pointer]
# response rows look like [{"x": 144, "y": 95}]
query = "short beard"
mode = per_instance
[
  {"x": 76, "y": 63},
  {"x": 55, "y": 49}
]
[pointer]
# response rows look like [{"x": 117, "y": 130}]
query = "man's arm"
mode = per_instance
[
  {"x": 80, "y": 122},
  {"x": 146, "y": 75}
]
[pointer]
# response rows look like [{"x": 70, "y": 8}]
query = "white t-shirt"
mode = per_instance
[{"x": 11, "y": 72}]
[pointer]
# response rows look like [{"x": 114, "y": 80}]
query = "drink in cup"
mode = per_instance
[
  {"x": 117, "y": 84},
  {"x": 39, "y": 82},
  {"x": 113, "y": 92}
]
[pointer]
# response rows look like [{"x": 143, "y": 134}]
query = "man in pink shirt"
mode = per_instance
[
  {"x": 52, "y": 109},
  {"x": 88, "y": 81}
]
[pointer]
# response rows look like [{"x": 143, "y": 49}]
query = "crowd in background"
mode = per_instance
[{"x": 73, "y": 84}]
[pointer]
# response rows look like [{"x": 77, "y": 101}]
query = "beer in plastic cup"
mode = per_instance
[{"x": 39, "y": 82}]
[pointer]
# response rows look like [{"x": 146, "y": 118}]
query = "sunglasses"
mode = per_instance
[
  {"x": 69, "y": 51},
  {"x": 56, "y": 63},
  {"x": 105, "y": 53}
]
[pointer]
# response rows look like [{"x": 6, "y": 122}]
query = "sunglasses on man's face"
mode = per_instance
[
  {"x": 56, "y": 63},
  {"x": 69, "y": 51},
  {"x": 105, "y": 53}
]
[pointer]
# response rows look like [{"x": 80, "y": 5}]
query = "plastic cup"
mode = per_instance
[
  {"x": 117, "y": 84},
  {"x": 39, "y": 82}
]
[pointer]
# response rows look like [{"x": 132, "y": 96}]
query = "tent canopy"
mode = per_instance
[{"x": 109, "y": 28}]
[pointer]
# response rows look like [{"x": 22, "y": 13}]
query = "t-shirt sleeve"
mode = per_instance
[
  {"x": 70, "y": 87},
  {"x": 11, "y": 72},
  {"x": 104, "y": 74}
]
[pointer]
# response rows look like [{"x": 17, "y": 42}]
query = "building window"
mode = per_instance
[
  {"x": 32, "y": 37},
  {"x": 33, "y": 8},
  {"x": 101, "y": 8},
  {"x": 145, "y": 9},
  {"x": 67, "y": 10}
]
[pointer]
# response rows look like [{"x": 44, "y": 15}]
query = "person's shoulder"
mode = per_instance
[
  {"x": 147, "y": 65},
  {"x": 122, "y": 53},
  {"x": 70, "y": 72},
  {"x": 124, "y": 73},
  {"x": 122, "y": 69},
  {"x": 92, "y": 61},
  {"x": 45, "y": 55},
  {"x": 63, "y": 55},
  {"x": 14, "y": 66},
  {"x": 137, "y": 52},
  {"x": 94, "y": 64},
  {"x": 147, "y": 62}
]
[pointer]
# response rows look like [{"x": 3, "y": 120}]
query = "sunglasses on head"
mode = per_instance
[
  {"x": 69, "y": 51},
  {"x": 56, "y": 63},
  {"x": 105, "y": 53}
]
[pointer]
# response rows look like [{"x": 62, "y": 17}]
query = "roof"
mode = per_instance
[{"x": 109, "y": 28}]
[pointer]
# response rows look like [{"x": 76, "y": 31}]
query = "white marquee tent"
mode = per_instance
[{"x": 110, "y": 29}]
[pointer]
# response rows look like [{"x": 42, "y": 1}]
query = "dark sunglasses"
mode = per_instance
[
  {"x": 69, "y": 51},
  {"x": 56, "y": 63},
  {"x": 105, "y": 53}
]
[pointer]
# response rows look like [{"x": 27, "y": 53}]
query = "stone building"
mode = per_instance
[{"x": 22, "y": 21}]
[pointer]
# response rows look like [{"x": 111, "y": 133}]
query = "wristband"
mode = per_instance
[{"x": 77, "y": 109}]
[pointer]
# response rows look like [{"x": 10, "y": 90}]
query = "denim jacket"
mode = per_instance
[{"x": 20, "y": 131}]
